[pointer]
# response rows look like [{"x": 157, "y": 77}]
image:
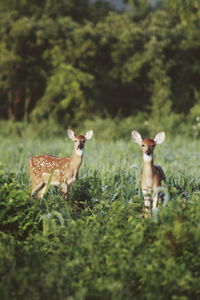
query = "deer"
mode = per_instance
[
  {"x": 48, "y": 170},
  {"x": 151, "y": 175}
]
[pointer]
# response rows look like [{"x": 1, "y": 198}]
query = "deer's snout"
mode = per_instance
[
  {"x": 149, "y": 152},
  {"x": 81, "y": 145}
]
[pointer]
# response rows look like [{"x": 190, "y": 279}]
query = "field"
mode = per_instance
[{"x": 97, "y": 245}]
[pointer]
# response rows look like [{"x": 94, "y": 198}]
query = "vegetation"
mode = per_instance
[
  {"x": 97, "y": 245},
  {"x": 73, "y": 60},
  {"x": 89, "y": 65}
]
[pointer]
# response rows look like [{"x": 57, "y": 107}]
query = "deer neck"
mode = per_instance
[
  {"x": 148, "y": 165},
  {"x": 76, "y": 158}
]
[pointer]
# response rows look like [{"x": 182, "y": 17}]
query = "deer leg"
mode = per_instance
[
  {"x": 71, "y": 180},
  {"x": 147, "y": 202},
  {"x": 41, "y": 193},
  {"x": 147, "y": 206},
  {"x": 64, "y": 188},
  {"x": 37, "y": 188},
  {"x": 160, "y": 198},
  {"x": 155, "y": 201},
  {"x": 155, "y": 204}
]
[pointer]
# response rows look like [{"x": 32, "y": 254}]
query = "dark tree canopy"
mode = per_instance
[{"x": 76, "y": 58}]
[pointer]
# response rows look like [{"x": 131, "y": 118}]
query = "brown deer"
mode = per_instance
[
  {"x": 151, "y": 175},
  {"x": 50, "y": 170}
]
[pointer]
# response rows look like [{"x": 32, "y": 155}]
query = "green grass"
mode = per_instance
[{"x": 97, "y": 245}]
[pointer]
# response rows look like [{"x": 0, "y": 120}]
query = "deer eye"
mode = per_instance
[{"x": 143, "y": 145}]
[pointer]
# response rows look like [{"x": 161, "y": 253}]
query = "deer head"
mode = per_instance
[
  {"x": 79, "y": 140},
  {"x": 148, "y": 145}
]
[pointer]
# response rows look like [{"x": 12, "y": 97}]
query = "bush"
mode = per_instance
[
  {"x": 43, "y": 129},
  {"x": 96, "y": 245}
]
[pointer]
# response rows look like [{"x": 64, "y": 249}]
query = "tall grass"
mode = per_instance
[
  {"x": 97, "y": 245},
  {"x": 179, "y": 156}
]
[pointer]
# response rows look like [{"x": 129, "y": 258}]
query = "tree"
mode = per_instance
[{"x": 64, "y": 97}]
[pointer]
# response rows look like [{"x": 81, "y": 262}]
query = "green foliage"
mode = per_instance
[
  {"x": 72, "y": 61},
  {"x": 65, "y": 86},
  {"x": 97, "y": 245},
  {"x": 187, "y": 10},
  {"x": 194, "y": 117},
  {"x": 106, "y": 129},
  {"x": 115, "y": 129},
  {"x": 140, "y": 8}
]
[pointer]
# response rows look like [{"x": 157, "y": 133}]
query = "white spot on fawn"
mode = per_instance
[{"x": 55, "y": 182}]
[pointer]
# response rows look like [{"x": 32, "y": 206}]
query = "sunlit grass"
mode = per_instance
[
  {"x": 178, "y": 157},
  {"x": 97, "y": 245}
]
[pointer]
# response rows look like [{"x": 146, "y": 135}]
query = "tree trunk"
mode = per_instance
[{"x": 10, "y": 106}]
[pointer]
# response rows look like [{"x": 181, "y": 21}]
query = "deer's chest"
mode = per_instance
[
  {"x": 69, "y": 173},
  {"x": 148, "y": 178}
]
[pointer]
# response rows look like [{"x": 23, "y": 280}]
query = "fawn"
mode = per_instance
[
  {"x": 50, "y": 170},
  {"x": 152, "y": 175}
]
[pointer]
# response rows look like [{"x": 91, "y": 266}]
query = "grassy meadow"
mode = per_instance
[{"x": 97, "y": 245}]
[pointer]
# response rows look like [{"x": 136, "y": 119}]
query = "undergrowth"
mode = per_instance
[{"x": 96, "y": 245}]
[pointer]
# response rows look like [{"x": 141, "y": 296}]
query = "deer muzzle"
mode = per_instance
[
  {"x": 81, "y": 146},
  {"x": 149, "y": 152}
]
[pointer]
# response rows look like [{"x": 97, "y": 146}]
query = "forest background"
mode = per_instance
[{"x": 93, "y": 64}]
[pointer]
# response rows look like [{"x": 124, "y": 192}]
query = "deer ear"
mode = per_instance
[
  {"x": 70, "y": 134},
  {"x": 160, "y": 137},
  {"x": 136, "y": 137},
  {"x": 89, "y": 134}
]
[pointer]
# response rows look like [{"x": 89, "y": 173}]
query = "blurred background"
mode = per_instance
[{"x": 111, "y": 66}]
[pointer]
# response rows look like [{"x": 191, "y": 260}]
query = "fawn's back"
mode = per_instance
[{"x": 43, "y": 166}]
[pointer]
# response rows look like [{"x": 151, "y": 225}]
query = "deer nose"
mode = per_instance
[
  {"x": 81, "y": 145},
  {"x": 148, "y": 152}
]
